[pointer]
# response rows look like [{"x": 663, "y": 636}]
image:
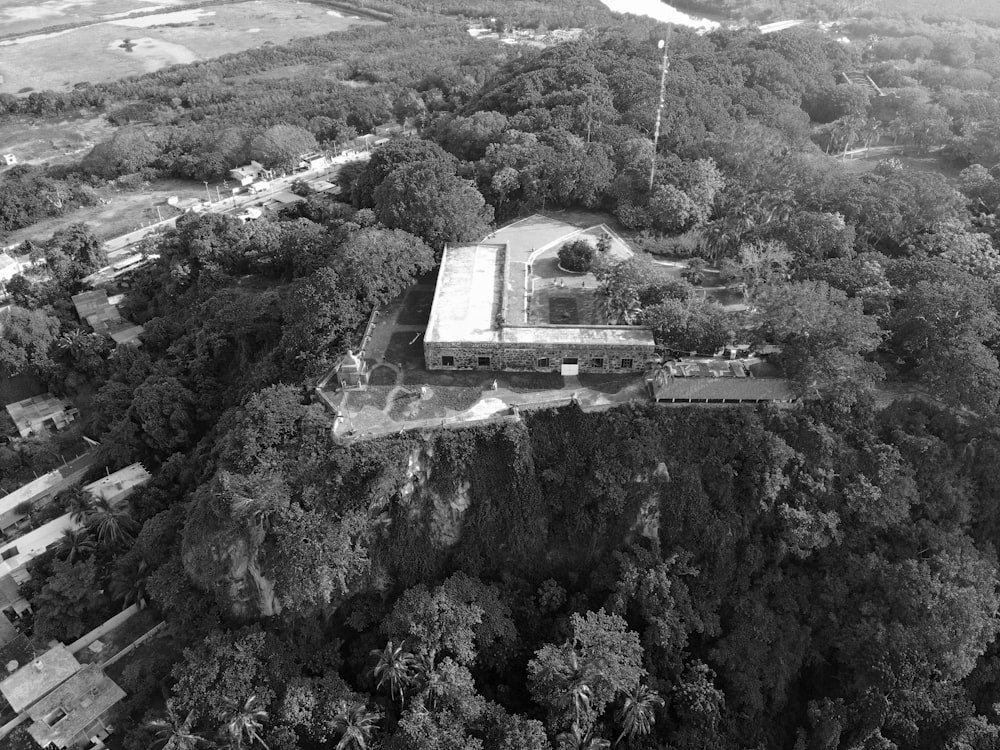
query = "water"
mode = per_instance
[{"x": 661, "y": 12}]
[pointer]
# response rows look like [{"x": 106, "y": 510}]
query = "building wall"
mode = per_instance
[{"x": 525, "y": 357}]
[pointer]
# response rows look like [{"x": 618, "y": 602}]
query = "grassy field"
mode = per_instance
[{"x": 94, "y": 52}]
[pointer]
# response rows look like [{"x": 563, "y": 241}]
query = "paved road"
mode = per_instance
[{"x": 119, "y": 247}]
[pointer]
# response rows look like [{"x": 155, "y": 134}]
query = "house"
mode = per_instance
[
  {"x": 40, "y": 491},
  {"x": 480, "y": 314},
  {"x": 249, "y": 174},
  {"x": 35, "y": 680},
  {"x": 118, "y": 486},
  {"x": 15, "y": 554},
  {"x": 388, "y": 129},
  {"x": 76, "y": 710},
  {"x": 65, "y": 703},
  {"x": 102, "y": 315},
  {"x": 313, "y": 160},
  {"x": 8, "y": 160},
  {"x": 36, "y": 415},
  {"x": 9, "y": 267}
]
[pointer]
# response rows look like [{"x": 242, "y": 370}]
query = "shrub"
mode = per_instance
[{"x": 577, "y": 255}]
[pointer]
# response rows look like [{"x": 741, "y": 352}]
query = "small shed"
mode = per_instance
[
  {"x": 352, "y": 371},
  {"x": 9, "y": 159}
]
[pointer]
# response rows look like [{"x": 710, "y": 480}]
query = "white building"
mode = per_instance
[
  {"x": 118, "y": 486},
  {"x": 9, "y": 267}
]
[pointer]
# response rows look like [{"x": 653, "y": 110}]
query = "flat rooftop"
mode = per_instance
[
  {"x": 468, "y": 294},
  {"x": 32, "y": 681},
  {"x": 474, "y": 280}
]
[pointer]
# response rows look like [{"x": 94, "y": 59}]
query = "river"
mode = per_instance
[{"x": 661, "y": 12}]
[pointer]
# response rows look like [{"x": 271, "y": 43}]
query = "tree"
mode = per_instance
[
  {"x": 174, "y": 732},
  {"x": 244, "y": 722},
  {"x": 280, "y": 145},
  {"x": 389, "y": 157},
  {"x": 128, "y": 580},
  {"x": 218, "y": 674},
  {"x": 577, "y": 680},
  {"x": 111, "y": 523},
  {"x": 396, "y": 667},
  {"x": 25, "y": 338},
  {"x": 74, "y": 252},
  {"x": 69, "y": 603},
  {"x": 825, "y": 334},
  {"x": 576, "y": 255},
  {"x": 427, "y": 199},
  {"x": 76, "y": 544},
  {"x": 129, "y": 150},
  {"x": 356, "y": 725},
  {"x": 636, "y": 714}
]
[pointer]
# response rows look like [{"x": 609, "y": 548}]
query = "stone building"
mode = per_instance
[{"x": 477, "y": 320}]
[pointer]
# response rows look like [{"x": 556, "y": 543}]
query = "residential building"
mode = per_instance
[
  {"x": 35, "y": 680},
  {"x": 17, "y": 553},
  {"x": 65, "y": 703},
  {"x": 36, "y": 415},
  {"x": 313, "y": 160},
  {"x": 118, "y": 486},
  {"x": 9, "y": 267},
  {"x": 103, "y": 316},
  {"x": 249, "y": 174},
  {"x": 8, "y": 160},
  {"x": 75, "y": 711}
]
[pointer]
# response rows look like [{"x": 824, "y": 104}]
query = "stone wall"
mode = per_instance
[{"x": 524, "y": 357}]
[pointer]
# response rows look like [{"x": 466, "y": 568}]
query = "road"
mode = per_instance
[{"x": 119, "y": 247}]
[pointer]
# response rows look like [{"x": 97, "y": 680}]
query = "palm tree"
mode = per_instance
[
  {"x": 174, "y": 733},
  {"x": 112, "y": 523},
  {"x": 77, "y": 503},
  {"x": 128, "y": 581},
  {"x": 245, "y": 723},
  {"x": 636, "y": 714},
  {"x": 395, "y": 665},
  {"x": 356, "y": 725},
  {"x": 76, "y": 544},
  {"x": 577, "y": 739}
]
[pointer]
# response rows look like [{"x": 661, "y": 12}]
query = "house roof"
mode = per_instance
[
  {"x": 77, "y": 702},
  {"x": 28, "y": 546},
  {"x": 467, "y": 296},
  {"x": 28, "y": 493},
  {"x": 120, "y": 484},
  {"x": 34, "y": 680},
  {"x": 30, "y": 412},
  {"x": 90, "y": 303}
]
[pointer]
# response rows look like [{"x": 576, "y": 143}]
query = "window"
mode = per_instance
[
  {"x": 570, "y": 361},
  {"x": 543, "y": 363},
  {"x": 483, "y": 361},
  {"x": 626, "y": 364},
  {"x": 9, "y": 553},
  {"x": 597, "y": 363},
  {"x": 447, "y": 361}
]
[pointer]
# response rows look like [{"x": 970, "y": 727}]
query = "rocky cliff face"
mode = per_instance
[{"x": 486, "y": 500}]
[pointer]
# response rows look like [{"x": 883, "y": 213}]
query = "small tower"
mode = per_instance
[{"x": 352, "y": 371}]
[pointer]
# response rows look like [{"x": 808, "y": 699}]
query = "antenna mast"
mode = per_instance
[{"x": 665, "y": 46}]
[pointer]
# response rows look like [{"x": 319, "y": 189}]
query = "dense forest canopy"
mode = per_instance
[{"x": 819, "y": 578}]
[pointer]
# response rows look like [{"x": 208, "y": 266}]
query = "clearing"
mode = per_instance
[{"x": 109, "y": 43}]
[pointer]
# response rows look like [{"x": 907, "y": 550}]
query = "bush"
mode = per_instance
[{"x": 577, "y": 255}]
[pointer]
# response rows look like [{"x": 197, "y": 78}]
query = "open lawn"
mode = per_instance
[
  {"x": 121, "y": 213},
  {"x": 113, "y": 49}
]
